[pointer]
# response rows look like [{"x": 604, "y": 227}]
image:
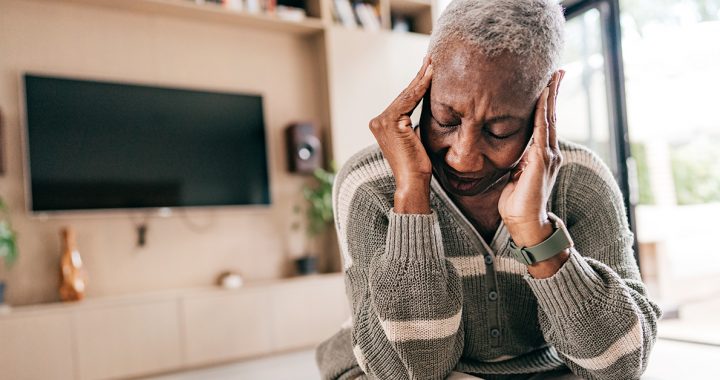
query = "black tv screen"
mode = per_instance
[{"x": 100, "y": 145}]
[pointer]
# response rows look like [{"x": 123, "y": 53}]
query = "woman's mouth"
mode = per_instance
[{"x": 463, "y": 184}]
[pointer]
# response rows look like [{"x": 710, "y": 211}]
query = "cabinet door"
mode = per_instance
[
  {"x": 228, "y": 326},
  {"x": 121, "y": 341},
  {"x": 308, "y": 311},
  {"x": 36, "y": 347}
]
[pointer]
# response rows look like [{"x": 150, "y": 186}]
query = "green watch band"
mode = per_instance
[{"x": 559, "y": 241}]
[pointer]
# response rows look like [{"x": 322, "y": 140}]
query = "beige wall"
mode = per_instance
[
  {"x": 188, "y": 248},
  {"x": 367, "y": 71}
]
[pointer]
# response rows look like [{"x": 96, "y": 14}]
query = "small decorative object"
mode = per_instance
[
  {"x": 254, "y": 6},
  {"x": 306, "y": 265},
  {"x": 319, "y": 217},
  {"x": 290, "y": 13},
  {"x": 72, "y": 275},
  {"x": 230, "y": 280},
  {"x": 236, "y": 5},
  {"x": 8, "y": 245}
]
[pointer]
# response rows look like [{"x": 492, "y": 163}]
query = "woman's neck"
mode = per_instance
[{"x": 482, "y": 211}]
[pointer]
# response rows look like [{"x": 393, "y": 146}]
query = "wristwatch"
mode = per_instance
[{"x": 559, "y": 241}]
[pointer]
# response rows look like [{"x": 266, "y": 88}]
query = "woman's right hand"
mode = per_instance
[{"x": 402, "y": 147}]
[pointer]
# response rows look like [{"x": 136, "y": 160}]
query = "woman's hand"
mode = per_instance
[
  {"x": 402, "y": 147},
  {"x": 523, "y": 202}
]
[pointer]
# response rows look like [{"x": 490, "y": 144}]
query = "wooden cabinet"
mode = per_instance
[
  {"x": 130, "y": 336},
  {"x": 120, "y": 341},
  {"x": 226, "y": 327},
  {"x": 300, "y": 314},
  {"x": 36, "y": 346}
]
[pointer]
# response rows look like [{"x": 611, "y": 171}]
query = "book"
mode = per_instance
[
  {"x": 345, "y": 13},
  {"x": 367, "y": 16}
]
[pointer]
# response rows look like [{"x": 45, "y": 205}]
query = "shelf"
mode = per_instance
[
  {"x": 416, "y": 13},
  {"x": 410, "y": 7},
  {"x": 209, "y": 12},
  {"x": 91, "y": 303}
]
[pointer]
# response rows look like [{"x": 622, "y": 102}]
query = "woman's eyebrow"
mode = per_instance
[
  {"x": 501, "y": 118},
  {"x": 490, "y": 121},
  {"x": 449, "y": 108}
]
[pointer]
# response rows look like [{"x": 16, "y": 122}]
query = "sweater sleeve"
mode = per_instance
[
  {"x": 595, "y": 310},
  {"x": 405, "y": 297}
]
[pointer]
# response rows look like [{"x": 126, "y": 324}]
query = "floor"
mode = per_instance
[{"x": 671, "y": 360}]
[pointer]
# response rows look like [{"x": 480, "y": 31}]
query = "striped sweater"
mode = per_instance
[{"x": 429, "y": 295}]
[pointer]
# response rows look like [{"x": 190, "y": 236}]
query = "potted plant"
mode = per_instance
[
  {"x": 8, "y": 245},
  {"x": 319, "y": 216}
]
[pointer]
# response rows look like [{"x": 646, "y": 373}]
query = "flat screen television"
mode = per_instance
[{"x": 98, "y": 145}]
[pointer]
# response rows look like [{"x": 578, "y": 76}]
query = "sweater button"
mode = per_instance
[
  {"x": 494, "y": 333},
  {"x": 493, "y": 295},
  {"x": 488, "y": 259}
]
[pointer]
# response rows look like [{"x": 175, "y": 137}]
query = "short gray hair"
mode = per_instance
[{"x": 530, "y": 29}]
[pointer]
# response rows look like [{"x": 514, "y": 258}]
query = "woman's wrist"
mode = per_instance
[
  {"x": 530, "y": 234},
  {"x": 549, "y": 267},
  {"x": 412, "y": 197}
]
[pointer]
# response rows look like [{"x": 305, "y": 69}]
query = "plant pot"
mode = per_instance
[
  {"x": 2, "y": 292},
  {"x": 306, "y": 265}
]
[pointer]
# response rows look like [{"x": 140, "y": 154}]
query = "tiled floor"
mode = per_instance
[{"x": 670, "y": 361}]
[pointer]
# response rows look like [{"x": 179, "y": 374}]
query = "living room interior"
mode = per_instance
[{"x": 244, "y": 284}]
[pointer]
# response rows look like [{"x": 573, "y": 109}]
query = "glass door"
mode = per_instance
[
  {"x": 591, "y": 102},
  {"x": 669, "y": 119}
]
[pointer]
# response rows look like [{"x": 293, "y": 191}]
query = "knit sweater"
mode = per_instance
[{"x": 428, "y": 295}]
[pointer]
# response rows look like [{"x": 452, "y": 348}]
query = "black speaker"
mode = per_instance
[{"x": 304, "y": 149}]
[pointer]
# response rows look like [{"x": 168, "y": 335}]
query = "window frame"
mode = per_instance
[{"x": 624, "y": 169}]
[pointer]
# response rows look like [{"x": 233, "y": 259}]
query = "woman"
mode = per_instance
[{"x": 457, "y": 237}]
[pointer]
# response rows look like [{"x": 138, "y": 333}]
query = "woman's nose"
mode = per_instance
[{"x": 465, "y": 154}]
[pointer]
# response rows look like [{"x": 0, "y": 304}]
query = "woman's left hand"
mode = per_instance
[{"x": 523, "y": 202}]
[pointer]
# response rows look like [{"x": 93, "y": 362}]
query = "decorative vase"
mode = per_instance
[{"x": 72, "y": 276}]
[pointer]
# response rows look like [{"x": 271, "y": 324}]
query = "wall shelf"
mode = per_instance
[
  {"x": 411, "y": 6},
  {"x": 213, "y": 13}
]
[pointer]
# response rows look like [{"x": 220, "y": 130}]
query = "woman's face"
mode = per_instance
[{"x": 476, "y": 120}]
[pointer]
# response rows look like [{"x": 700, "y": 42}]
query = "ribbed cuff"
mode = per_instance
[
  {"x": 414, "y": 236},
  {"x": 574, "y": 284}
]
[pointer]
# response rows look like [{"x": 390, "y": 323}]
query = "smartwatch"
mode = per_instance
[{"x": 559, "y": 241}]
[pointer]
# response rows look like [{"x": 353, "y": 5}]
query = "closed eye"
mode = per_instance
[{"x": 498, "y": 137}]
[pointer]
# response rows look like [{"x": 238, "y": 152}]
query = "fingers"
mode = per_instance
[
  {"x": 520, "y": 168},
  {"x": 540, "y": 135},
  {"x": 409, "y": 98},
  {"x": 552, "y": 108}
]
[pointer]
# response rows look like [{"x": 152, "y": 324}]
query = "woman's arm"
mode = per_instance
[
  {"x": 406, "y": 298},
  {"x": 595, "y": 309}
]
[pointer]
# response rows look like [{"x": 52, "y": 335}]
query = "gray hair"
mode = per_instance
[{"x": 532, "y": 30}]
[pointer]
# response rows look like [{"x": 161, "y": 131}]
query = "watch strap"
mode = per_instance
[{"x": 559, "y": 241}]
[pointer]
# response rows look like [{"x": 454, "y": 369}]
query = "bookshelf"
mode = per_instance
[
  {"x": 417, "y": 14},
  {"x": 213, "y": 12},
  {"x": 414, "y": 16}
]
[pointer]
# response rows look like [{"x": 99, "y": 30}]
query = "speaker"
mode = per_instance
[{"x": 304, "y": 150}]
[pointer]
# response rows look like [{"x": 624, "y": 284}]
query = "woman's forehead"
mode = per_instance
[{"x": 463, "y": 75}]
